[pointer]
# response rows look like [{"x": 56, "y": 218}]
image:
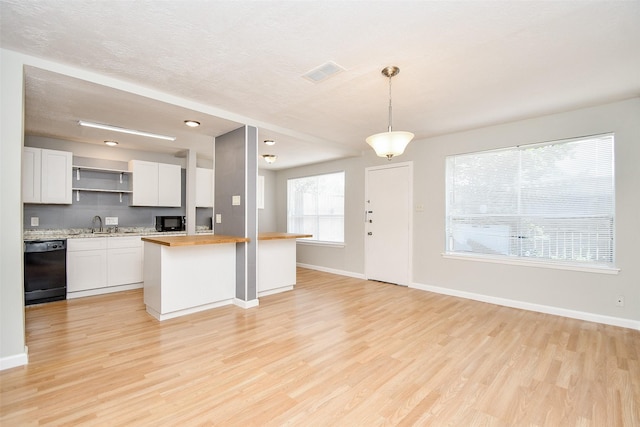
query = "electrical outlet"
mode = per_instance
[
  {"x": 218, "y": 218},
  {"x": 620, "y": 301},
  {"x": 235, "y": 200},
  {"x": 111, "y": 220},
  {"x": 35, "y": 221}
]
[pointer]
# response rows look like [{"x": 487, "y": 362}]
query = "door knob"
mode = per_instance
[{"x": 370, "y": 233}]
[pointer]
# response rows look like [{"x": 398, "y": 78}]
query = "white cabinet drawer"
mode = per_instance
[
  {"x": 124, "y": 242},
  {"x": 86, "y": 244}
]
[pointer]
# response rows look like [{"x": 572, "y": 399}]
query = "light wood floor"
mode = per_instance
[{"x": 336, "y": 351}]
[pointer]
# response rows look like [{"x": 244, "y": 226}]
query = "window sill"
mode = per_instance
[
  {"x": 318, "y": 243},
  {"x": 532, "y": 263}
]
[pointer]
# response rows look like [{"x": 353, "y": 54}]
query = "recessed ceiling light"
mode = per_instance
[
  {"x": 192, "y": 123},
  {"x": 111, "y": 143},
  {"x": 125, "y": 130},
  {"x": 269, "y": 142},
  {"x": 269, "y": 158}
]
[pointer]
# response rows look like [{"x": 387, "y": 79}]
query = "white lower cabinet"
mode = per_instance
[
  {"x": 124, "y": 260},
  {"x": 86, "y": 270},
  {"x": 96, "y": 264}
]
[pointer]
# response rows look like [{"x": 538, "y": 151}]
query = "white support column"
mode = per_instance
[{"x": 191, "y": 192}]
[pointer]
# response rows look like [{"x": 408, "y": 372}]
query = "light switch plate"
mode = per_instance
[
  {"x": 218, "y": 218},
  {"x": 235, "y": 200},
  {"x": 35, "y": 221},
  {"x": 111, "y": 220}
]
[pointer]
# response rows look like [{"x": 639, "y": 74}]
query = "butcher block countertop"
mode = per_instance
[
  {"x": 276, "y": 236},
  {"x": 198, "y": 239}
]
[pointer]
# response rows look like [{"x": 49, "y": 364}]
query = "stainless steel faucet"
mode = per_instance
[{"x": 93, "y": 224}]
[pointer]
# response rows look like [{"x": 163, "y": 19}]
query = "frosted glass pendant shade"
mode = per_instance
[
  {"x": 389, "y": 144},
  {"x": 269, "y": 158}
]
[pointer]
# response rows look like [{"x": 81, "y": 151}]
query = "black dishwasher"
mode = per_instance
[{"x": 45, "y": 271}]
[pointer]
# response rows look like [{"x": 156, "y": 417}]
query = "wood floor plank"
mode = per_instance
[{"x": 336, "y": 351}]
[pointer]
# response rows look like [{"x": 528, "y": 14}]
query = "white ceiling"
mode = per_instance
[{"x": 463, "y": 65}]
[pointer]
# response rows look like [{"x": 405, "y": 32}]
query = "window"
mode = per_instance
[
  {"x": 551, "y": 202},
  {"x": 315, "y": 205}
]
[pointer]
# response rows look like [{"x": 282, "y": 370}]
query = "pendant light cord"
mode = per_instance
[{"x": 389, "y": 103}]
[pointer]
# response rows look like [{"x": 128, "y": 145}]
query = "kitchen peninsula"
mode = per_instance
[
  {"x": 188, "y": 274},
  {"x": 277, "y": 262}
]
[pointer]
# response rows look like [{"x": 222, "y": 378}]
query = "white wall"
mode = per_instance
[
  {"x": 572, "y": 293},
  {"x": 12, "y": 328},
  {"x": 267, "y": 216}
]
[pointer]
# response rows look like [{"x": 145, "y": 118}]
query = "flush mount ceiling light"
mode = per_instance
[
  {"x": 269, "y": 158},
  {"x": 125, "y": 130},
  {"x": 390, "y": 143},
  {"x": 111, "y": 143},
  {"x": 192, "y": 123},
  {"x": 269, "y": 142}
]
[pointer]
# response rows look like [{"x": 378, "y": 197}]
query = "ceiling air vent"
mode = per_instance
[{"x": 323, "y": 72}]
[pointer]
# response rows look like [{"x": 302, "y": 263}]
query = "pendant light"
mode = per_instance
[
  {"x": 270, "y": 158},
  {"x": 390, "y": 143}
]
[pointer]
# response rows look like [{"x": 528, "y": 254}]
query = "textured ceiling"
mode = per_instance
[{"x": 463, "y": 65}]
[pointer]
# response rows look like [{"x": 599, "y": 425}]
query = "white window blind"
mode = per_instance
[
  {"x": 315, "y": 205},
  {"x": 550, "y": 202}
]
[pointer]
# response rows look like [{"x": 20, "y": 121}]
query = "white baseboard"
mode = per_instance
[
  {"x": 246, "y": 304},
  {"x": 15, "y": 360},
  {"x": 190, "y": 310},
  {"x": 274, "y": 291},
  {"x": 557, "y": 311},
  {"x": 523, "y": 305},
  {"x": 332, "y": 270},
  {"x": 107, "y": 290}
]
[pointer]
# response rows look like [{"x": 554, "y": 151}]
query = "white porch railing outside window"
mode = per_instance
[{"x": 553, "y": 202}]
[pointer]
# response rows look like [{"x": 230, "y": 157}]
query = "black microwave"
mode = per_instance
[{"x": 170, "y": 223}]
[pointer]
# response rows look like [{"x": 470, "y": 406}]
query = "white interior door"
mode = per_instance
[{"x": 388, "y": 218}]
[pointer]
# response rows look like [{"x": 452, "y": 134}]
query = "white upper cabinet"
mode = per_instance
[
  {"x": 155, "y": 184},
  {"x": 56, "y": 176},
  {"x": 46, "y": 176},
  {"x": 170, "y": 185},
  {"x": 31, "y": 174},
  {"x": 144, "y": 179},
  {"x": 204, "y": 188}
]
